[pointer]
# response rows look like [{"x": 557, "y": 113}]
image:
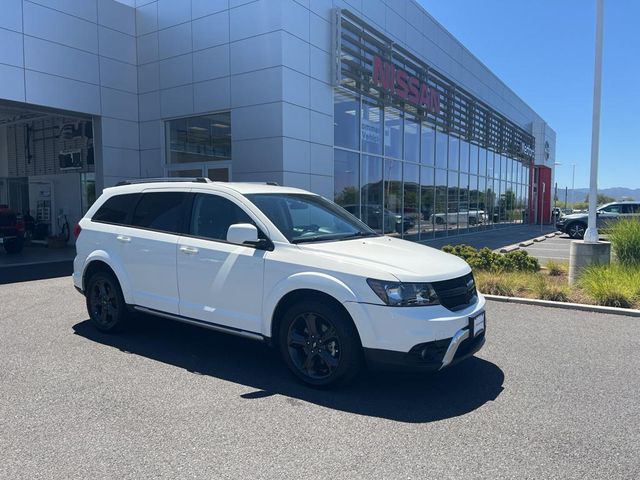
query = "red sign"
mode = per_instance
[{"x": 409, "y": 88}]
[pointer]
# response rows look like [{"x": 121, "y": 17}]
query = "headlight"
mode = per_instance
[{"x": 399, "y": 294}]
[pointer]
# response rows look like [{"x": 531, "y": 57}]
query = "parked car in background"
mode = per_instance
[
  {"x": 373, "y": 216},
  {"x": 461, "y": 217},
  {"x": 11, "y": 230},
  {"x": 575, "y": 224},
  {"x": 279, "y": 265}
]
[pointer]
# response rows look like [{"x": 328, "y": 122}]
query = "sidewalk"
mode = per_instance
[{"x": 494, "y": 238}]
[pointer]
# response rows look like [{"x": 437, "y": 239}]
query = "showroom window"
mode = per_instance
[
  {"x": 199, "y": 139},
  {"x": 199, "y": 146},
  {"x": 346, "y": 112},
  {"x": 403, "y": 176}
]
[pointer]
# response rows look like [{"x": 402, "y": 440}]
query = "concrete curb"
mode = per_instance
[
  {"x": 526, "y": 243},
  {"x": 540, "y": 239},
  {"x": 550, "y": 235},
  {"x": 629, "y": 312},
  {"x": 509, "y": 248}
]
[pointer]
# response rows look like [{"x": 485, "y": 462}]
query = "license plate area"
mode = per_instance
[{"x": 477, "y": 324}]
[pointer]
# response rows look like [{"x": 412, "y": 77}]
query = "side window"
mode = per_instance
[
  {"x": 630, "y": 208},
  {"x": 159, "y": 211},
  {"x": 213, "y": 215},
  {"x": 116, "y": 209},
  {"x": 612, "y": 209}
]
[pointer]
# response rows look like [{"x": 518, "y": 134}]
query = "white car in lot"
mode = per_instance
[{"x": 280, "y": 265}]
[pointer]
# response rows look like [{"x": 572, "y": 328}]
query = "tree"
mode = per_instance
[{"x": 602, "y": 199}]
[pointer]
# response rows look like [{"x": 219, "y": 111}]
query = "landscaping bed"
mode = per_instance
[{"x": 517, "y": 274}]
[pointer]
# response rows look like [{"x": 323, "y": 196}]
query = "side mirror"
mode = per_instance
[{"x": 242, "y": 233}]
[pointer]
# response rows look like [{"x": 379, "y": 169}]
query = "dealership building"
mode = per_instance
[{"x": 371, "y": 103}]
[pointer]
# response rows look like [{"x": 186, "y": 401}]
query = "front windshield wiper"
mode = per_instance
[
  {"x": 359, "y": 235},
  {"x": 334, "y": 237}
]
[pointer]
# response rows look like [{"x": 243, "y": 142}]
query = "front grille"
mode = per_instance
[{"x": 457, "y": 293}]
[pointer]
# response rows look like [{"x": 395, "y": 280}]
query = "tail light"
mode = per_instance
[{"x": 76, "y": 230}]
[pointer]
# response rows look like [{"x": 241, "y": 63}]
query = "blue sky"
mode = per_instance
[{"x": 544, "y": 51}]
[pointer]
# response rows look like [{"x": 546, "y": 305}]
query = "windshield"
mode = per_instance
[{"x": 309, "y": 218}]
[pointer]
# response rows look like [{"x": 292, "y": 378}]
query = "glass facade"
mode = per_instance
[
  {"x": 407, "y": 178},
  {"x": 199, "y": 146}
]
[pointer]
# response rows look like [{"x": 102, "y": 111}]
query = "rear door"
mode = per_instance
[
  {"x": 149, "y": 247},
  {"x": 608, "y": 215},
  {"x": 219, "y": 282}
]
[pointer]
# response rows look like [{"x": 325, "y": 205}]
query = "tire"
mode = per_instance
[
  {"x": 330, "y": 356},
  {"x": 576, "y": 230},
  {"x": 14, "y": 246},
  {"x": 105, "y": 302}
]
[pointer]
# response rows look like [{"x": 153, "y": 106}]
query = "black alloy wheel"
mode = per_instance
[
  {"x": 313, "y": 345},
  {"x": 320, "y": 344},
  {"x": 576, "y": 230},
  {"x": 105, "y": 302}
]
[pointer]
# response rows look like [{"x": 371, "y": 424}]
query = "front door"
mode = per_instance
[{"x": 219, "y": 282}]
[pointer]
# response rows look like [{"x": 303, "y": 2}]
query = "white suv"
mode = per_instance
[{"x": 280, "y": 265}]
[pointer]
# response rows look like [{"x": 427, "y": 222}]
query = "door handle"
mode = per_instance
[
  {"x": 123, "y": 238},
  {"x": 188, "y": 250}
]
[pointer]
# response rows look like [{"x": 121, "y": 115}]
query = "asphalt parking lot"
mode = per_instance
[
  {"x": 554, "y": 394},
  {"x": 552, "y": 249}
]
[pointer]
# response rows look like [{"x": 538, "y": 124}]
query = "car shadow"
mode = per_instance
[{"x": 414, "y": 398}]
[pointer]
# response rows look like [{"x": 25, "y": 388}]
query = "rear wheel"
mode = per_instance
[
  {"x": 105, "y": 302},
  {"x": 576, "y": 230},
  {"x": 320, "y": 344}
]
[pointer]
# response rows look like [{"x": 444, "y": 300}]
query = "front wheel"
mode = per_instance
[
  {"x": 105, "y": 302},
  {"x": 320, "y": 344},
  {"x": 576, "y": 230}
]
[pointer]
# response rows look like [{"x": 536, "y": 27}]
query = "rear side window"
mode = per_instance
[
  {"x": 213, "y": 215},
  {"x": 630, "y": 208},
  {"x": 160, "y": 211},
  {"x": 116, "y": 209}
]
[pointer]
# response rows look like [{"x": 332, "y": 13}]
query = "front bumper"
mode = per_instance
[
  {"x": 397, "y": 336},
  {"x": 427, "y": 357}
]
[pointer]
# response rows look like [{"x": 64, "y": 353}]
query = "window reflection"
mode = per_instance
[
  {"x": 199, "y": 139},
  {"x": 411, "y": 195},
  {"x": 454, "y": 152},
  {"x": 439, "y": 217},
  {"x": 371, "y": 128},
  {"x": 372, "y": 206},
  {"x": 411, "y": 139},
  {"x": 427, "y": 199},
  {"x": 441, "y": 149},
  {"x": 428, "y": 136},
  {"x": 392, "y": 132},
  {"x": 346, "y": 112},
  {"x": 345, "y": 179},
  {"x": 393, "y": 195}
]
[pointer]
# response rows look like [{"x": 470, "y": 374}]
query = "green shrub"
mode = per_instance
[
  {"x": 556, "y": 269},
  {"x": 520, "y": 261},
  {"x": 611, "y": 285},
  {"x": 486, "y": 259},
  {"x": 625, "y": 240}
]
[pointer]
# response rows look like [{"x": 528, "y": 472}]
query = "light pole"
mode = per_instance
[
  {"x": 591, "y": 235},
  {"x": 590, "y": 251}
]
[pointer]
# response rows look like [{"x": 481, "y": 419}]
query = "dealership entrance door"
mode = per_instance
[
  {"x": 47, "y": 169},
  {"x": 218, "y": 171}
]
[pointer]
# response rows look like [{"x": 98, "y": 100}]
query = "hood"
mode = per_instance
[
  {"x": 407, "y": 261},
  {"x": 574, "y": 216}
]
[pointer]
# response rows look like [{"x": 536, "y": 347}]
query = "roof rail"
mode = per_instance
[{"x": 163, "y": 179}]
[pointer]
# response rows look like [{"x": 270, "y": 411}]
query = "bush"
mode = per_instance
[
  {"x": 611, "y": 285},
  {"x": 486, "y": 259},
  {"x": 556, "y": 269},
  {"x": 520, "y": 261},
  {"x": 625, "y": 240}
]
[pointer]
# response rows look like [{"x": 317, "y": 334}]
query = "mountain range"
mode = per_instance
[{"x": 617, "y": 193}]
